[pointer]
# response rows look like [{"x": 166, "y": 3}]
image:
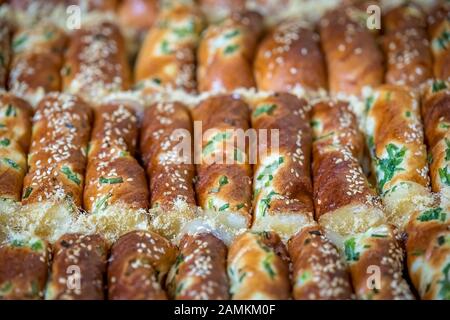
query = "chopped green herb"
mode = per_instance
[
  {"x": 325, "y": 136},
  {"x": 219, "y": 137},
  {"x": 242, "y": 276},
  {"x": 10, "y": 111},
  {"x": 387, "y": 167},
  {"x": 18, "y": 42},
  {"x": 265, "y": 108},
  {"x": 441, "y": 240},
  {"x": 224, "y": 207},
  {"x": 230, "y": 48},
  {"x": 165, "y": 47},
  {"x": 408, "y": 114},
  {"x": 369, "y": 103},
  {"x": 5, "y": 142},
  {"x": 304, "y": 277},
  {"x": 157, "y": 80},
  {"x": 417, "y": 253},
  {"x": 376, "y": 235},
  {"x": 430, "y": 158},
  {"x": 315, "y": 123},
  {"x": 223, "y": 180},
  {"x": 124, "y": 153},
  {"x": 444, "y": 292},
  {"x": 447, "y": 149},
  {"x": 72, "y": 176},
  {"x": 265, "y": 202},
  {"x": 269, "y": 170},
  {"x": 6, "y": 288},
  {"x": 239, "y": 206},
  {"x": 231, "y": 34},
  {"x": 27, "y": 192},
  {"x": 37, "y": 246},
  {"x": 114, "y": 180},
  {"x": 438, "y": 85},
  {"x": 102, "y": 203},
  {"x": 444, "y": 174},
  {"x": 17, "y": 243},
  {"x": 350, "y": 250},
  {"x": 185, "y": 31},
  {"x": 443, "y": 40},
  {"x": 11, "y": 163},
  {"x": 444, "y": 125},
  {"x": 432, "y": 214},
  {"x": 268, "y": 267}
]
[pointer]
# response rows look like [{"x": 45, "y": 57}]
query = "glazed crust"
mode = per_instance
[
  {"x": 290, "y": 57},
  {"x": 282, "y": 182},
  {"x": 405, "y": 44},
  {"x": 318, "y": 271},
  {"x": 199, "y": 272},
  {"x": 15, "y": 134},
  {"x": 88, "y": 254},
  {"x": 36, "y": 62},
  {"x": 221, "y": 186},
  {"x": 138, "y": 266},
  {"x": 438, "y": 29},
  {"x": 23, "y": 270},
  {"x": 351, "y": 52},
  {"x": 171, "y": 174},
  {"x": 238, "y": 36},
  {"x": 113, "y": 175},
  {"x": 96, "y": 62},
  {"x": 138, "y": 14},
  {"x": 258, "y": 267},
  {"x": 57, "y": 158},
  {"x": 167, "y": 55}
]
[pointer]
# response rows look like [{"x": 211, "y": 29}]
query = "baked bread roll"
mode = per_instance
[
  {"x": 5, "y": 50},
  {"x": 96, "y": 62},
  {"x": 37, "y": 61},
  {"x": 199, "y": 272},
  {"x": 138, "y": 266},
  {"x": 224, "y": 181},
  {"x": 57, "y": 158},
  {"x": 438, "y": 29},
  {"x": 78, "y": 268},
  {"x": 405, "y": 44},
  {"x": 399, "y": 156},
  {"x": 215, "y": 10},
  {"x": 229, "y": 45},
  {"x": 15, "y": 134},
  {"x": 355, "y": 214},
  {"x": 353, "y": 58},
  {"x": 23, "y": 269},
  {"x": 337, "y": 151},
  {"x": 258, "y": 267},
  {"x": 138, "y": 15},
  {"x": 282, "y": 188},
  {"x": 114, "y": 178},
  {"x": 166, "y": 150},
  {"x": 289, "y": 58},
  {"x": 167, "y": 55},
  {"x": 318, "y": 271}
]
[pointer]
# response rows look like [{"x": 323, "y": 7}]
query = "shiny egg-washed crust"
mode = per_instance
[
  {"x": 407, "y": 49},
  {"x": 375, "y": 260},
  {"x": 199, "y": 272},
  {"x": 23, "y": 269},
  {"x": 438, "y": 29},
  {"x": 138, "y": 14},
  {"x": 78, "y": 268},
  {"x": 229, "y": 45},
  {"x": 138, "y": 266},
  {"x": 436, "y": 120},
  {"x": 15, "y": 134},
  {"x": 221, "y": 186},
  {"x": 57, "y": 158},
  {"x": 289, "y": 57},
  {"x": 318, "y": 271},
  {"x": 113, "y": 175},
  {"x": 428, "y": 253},
  {"x": 167, "y": 55},
  {"x": 258, "y": 267},
  {"x": 95, "y": 62},
  {"x": 337, "y": 149},
  {"x": 399, "y": 156},
  {"x": 5, "y": 50},
  {"x": 282, "y": 178},
  {"x": 37, "y": 58},
  {"x": 351, "y": 52},
  {"x": 171, "y": 173}
]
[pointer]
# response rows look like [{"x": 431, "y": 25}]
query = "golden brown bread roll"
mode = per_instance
[
  {"x": 396, "y": 142},
  {"x": 290, "y": 58},
  {"x": 337, "y": 150},
  {"x": 15, "y": 134},
  {"x": 36, "y": 62},
  {"x": 138, "y": 266},
  {"x": 96, "y": 62},
  {"x": 5, "y": 50},
  {"x": 199, "y": 272},
  {"x": 439, "y": 29},
  {"x": 138, "y": 14},
  {"x": 282, "y": 188},
  {"x": 258, "y": 267},
  {"x": 318, "y": 271},
  {"x": 113, "y": 175},
  {"x": 23, "y": 269},
  {"x": 228, "y": 45},
  {"x": 405, "y": 44},
  {"x": 224, "y": 173},
  {"x": 167, "y": 56},
  {"x": 57, "y": 158},
  {"x": 78, "y": 268},
  {"x": 351, "y": 52}
]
